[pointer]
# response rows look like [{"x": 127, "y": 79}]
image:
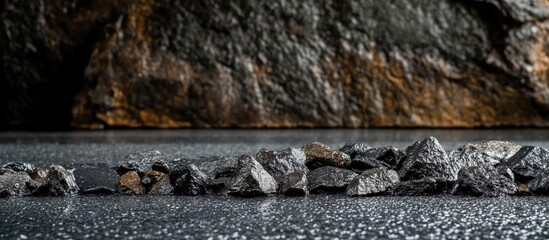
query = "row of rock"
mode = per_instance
[{"x": 492, "y": 168}]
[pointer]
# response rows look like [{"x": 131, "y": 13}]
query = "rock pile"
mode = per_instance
[{"x": 491, "y": 169}]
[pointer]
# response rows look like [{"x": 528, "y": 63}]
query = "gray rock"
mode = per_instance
[
  {"x": 15, "y": 184},
  {"x": 468, "y": 156},
  {"x": 61, "y": 182},
  {"x": 96, "y": 180},
  {"x": 329, "y": 179},
  {"x": 506, "y": 172},
  {"x": 142, "y": 161},
  {"x": 216, "y": 167},
  {"x": 294, "y": 184},
  {"x": 528, "y": 162},
  {"x": 483, "y": 181},
  {"x": 20, "y": 167},
  {"x": 251, "y": 179},
  {"x": 373, "y": 182},
  {"x": 540, "y": 185},
  {"x": 189, "y": 180},
  {"x": 422, "y": 187},
  {"x": 354, "y": 149},
  {"x": 389, "y": 155},
  {"x": 164, "y": 166},
  {"x": 499, "y": 150},
  {"x": 281, "y": 163},
  {"x": 320, "y": 155},
  {"x": 426, "y": 159},
  {"x": 361, "y": 163},
  {"x": 162, "y": 187}
]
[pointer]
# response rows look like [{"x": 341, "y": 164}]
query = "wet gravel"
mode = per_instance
[{"x": 324, "y": 216}]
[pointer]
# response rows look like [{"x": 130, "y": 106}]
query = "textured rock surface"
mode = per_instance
[
  {"x": 20, "y": 167},
  {"x": 469, "y": 156},
  {"x": 528, "y": 162},
  {"x": 14, "y": 184},
  {"x": 251, "y": 179},
  {"x": 372, "y": 182},
  {"x": 389, "y": 157},
  {"x": 498, "y": 150},
  {"x": 162, "y": 187},
  {"x": 539, "y": 185},
  {"x": 294, "y": 184},
  {"x": 427, "y": 159},
  {"x": 96, "y": 179},
  {"x": 281, "y": 163},
  {"x": 320, "y": 155},
  {"x": 142, "y": 162},
  {"x": 170, "y": 63},
  {"x": 189, "y": 180},
  {"x": 130, "y": 183},
  {"x": 61, "y": 182},
  {"x": 353, "y": 149},
  {"x": 421, "y": 187},
  {"x": 483, "y": 181},
  {"x": 361, "y": 163},
  {"x": 329, "y": 179}
]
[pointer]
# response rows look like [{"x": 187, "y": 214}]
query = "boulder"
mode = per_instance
[
  {"x": 142, "y": 161},
  {"x": 426, "y": 159},
  {"x": 294, "y": 184},
  {"x": 15, "y": 184},
  {"x": 498, "y": 150},
  {"x": 20, "y": 167},
  {"x": 251, "y": 179},
  {"x": 281, "y": 163},
  {"x": 96, "y": 179},
  {"x": 422, "y": 187},
  {"x": 61, "y": 182},
  {"x": 354, "y": 149},
  {"x": 320, "y": 155},
  {"x": 528, "y": 162},
  {"x": 130, "y": 183},
  {"x": 483, "y": 181},
  {"x": 373, "y": 182},
  {"x": 189, "y": 180},
  {"x": 162, "y": 187},
  {"x": 329, "y": 179}
]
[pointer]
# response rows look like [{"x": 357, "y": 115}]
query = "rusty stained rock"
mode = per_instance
[
  {"x": 130, "y": 183},
  {"x": 320, "y": 155}
]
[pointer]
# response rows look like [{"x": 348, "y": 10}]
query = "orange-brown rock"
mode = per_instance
[{"x": 130, "y": 182}]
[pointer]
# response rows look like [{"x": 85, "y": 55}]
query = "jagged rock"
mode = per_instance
[
  {"x": 426, "y": 159},
  {"x": 61, "y": 182},
  {"x": 142, "y": 162},
  {"x": 389, "y": 155},
  {"x": 506, "y": 172},
  {"x": 528, "y": 162},
  {"x": 421, "y": 187},
  {"x": 189, "y": 180},
  {"x": 522, "y": 189},
  {"x": 96, "y": 179},
  {"x": 251, "y": 179},
  {"x": 361, "y": 163},
  {"x": 216, "y": 167},
  {"x": 164, "y": 167},
  {"x": 320, "y": 155},
  {"x": 20, "y": 167},
  {"x": 40, "y": 174},
  {"x": 130, "y": 183},
  {"x": 499, "y": 150},
  {"x": 354, "y": 149},
  {"x": 15, "y": 184},
  {"x": 281, "y": 163},
  {"x": 372, "y": 182},
  {"x": 294, "y": 184},
  {"x": 540, "y": 185},
  {"x": 483, "y": 181},
  {"x": 329, "y": 179},
  {"x": 468, "y": 156},
  {"x": 162, "y": 187},
  {"x": 151, "y": 178}
]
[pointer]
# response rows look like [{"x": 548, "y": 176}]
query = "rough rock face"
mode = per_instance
[
  {"x": 319, "y": 155},
  {"x": 528, "y": 162},
  {"x": 169, "y": 63},
  {"x": 540, "y": 184},
  {"x": 15, "y": 184},
  {"x": 469, "y": 156},
  {"x": 483, "y": 181},
  {"x": 498, "y": 150},
  {"x": 427, "y": 159},
  {"x": 281, "y": 163},
  {"x": 61, "y": 182},
  {"x": 353, "y": 149},
  {"x": 130, "y": 183},
  {"x": 189, "y": 180},
  {"x": 329, "y": 179},
  {"x": 294, "y": 184},
  {"x": 161, "y": 187},
  {"x": 93, "y": 180},
  {"x": 142, "y": 162},
  {"x": 421, "y": 187},
  {"x": 388, "y": 157},
  {"x": 251, "y": 179},
  {"x": 19, "y": 167},
  {"x": 372, "y": 182}
]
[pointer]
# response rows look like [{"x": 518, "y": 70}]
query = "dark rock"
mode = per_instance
[
  {"x": 142, "y": 162},
  {"x": 96, "y": 180},
  {"x": 498, "y": 150},
  {"x": 540, "y": 185},
  {"x": 164, "y": 167},
  {"x": 15, "y": 184},
  {"x": 61, "y": 182},
  {"x": 217, "y": 166},
  {"x": 20, "y": 167},
  {"x": 426, "y": 159},
  {"x": 40, "y": 174},
  {"x": 294, "y": 184},
  {"x": 506, "y": 172},
  {"x": 151, "y": 178},
  {"x": 354, "y": 149},
  {"x": 373, "y": 182},
  {"x": 130, "y": 183},
  {"x": 468, "y": 156},
  {"x": 422, "y": 187},
  {"x": 162, "y": 187},
  {"x": 281, "y": 163},
  {"x": 329, "y": 179},
  {"x": 320, "y": 155},
  {"x": 391, "y": 156},
  {"x": 189, "y": 180},
  {"x": 251, "y": 179},
  {"x": 483, "y": 181},
  {"x": 528, "y": 162},
  {"x": 361, "y": 163}
]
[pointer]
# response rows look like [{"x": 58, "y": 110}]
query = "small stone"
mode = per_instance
[
  {"x": 294, "y": 184},
  {"x": 40, "y": 174},
  {"x": 373, "y": 182},
  {"x": 319, "y": 155},
  {"x": 361, "y": 163},
  {"x": 151, "y": 178},
  {"x": 329, "y": 179},
  {"x": 421, "y": 187},
  {"x": 96, "y": 179},
  {"x": 15, "y": 184},
  {"x": 528, "y": 162},
  {"x": 522, "y": 189},
  {"x": 426, "y": 159},
  {"x": 506, "y": 172},
  {"x": 189, "y": 180},
  {"x": 130, "y": 183},
  {"x": 483, "y": 181},
  {"x": 216, "y": 167},
  {"x": 142, "y": 162},
  {"x": 251, "y": 179},
  {"x": 498, "y": 150},
  {"x": 162, "y": 187},
  {"x": 281, "y": 163},
  {"x": 391, "y": 156},
  {"x": 20, "y": 167},
  {"x": 61, "y": 182},
  {"x": 540, "y": 185},
  {"x": 164, "y": 167},
  {"x": 354, "y": 149}
]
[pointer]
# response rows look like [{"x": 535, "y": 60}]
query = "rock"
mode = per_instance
[
  {"x": 354, "y": 149},
  {"x": 329, "y": 179},
  {"x": 61, "y": 182},
  {"x": 528, "y": 162},
  {"x": 483, "y": 181},
  {"x": 506, "y": 172},
  {"x": 468, "y": 156},
  {"x": 281, "y": 163},
  {"x": 391, "y": 156},
  {"x": 422, "y": 187},
  {"x": 164, "y": 167},
  {"x": 130, "y": 183},
  {"x": 189, "y": 180},
  {"x": 499, "y": 150},
  {"x": 96, "y": 179},
  {"x": 40, "y": 174},
  {"x": 522, "y": 189},
  {"x": 20, "y": 167},
  {"x": 162, "y": 187},
  {"x": 216, "y": 167},
  {"x": 426, "y": 159},
  {"x": 294, "y": 184},
  {"x": 15, "y": 184},
  {"x": 373, "y": 182},
  {"x": 151, "y": 178},
  {"x": 361, "y": 163},
  {"x": 251, "y": 179},
  {"x": 320, "y": 155},
  {"x": 142, "y": 161},
  {"x": 540, "y": 185}
]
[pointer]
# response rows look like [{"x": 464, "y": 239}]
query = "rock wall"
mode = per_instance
[{"x": 292, "y": 63}]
